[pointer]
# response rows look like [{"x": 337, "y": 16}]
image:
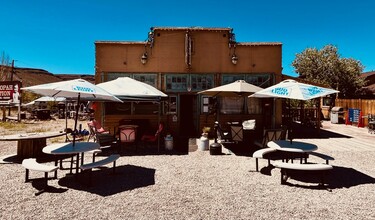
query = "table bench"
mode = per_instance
[
  {"x": 323, "y": 156},
  {"x": 259, "y": 154},
  {"x": 289, "y": 169},
  {"x": 32, "y": 164},
  {"x": 89, "y": 166}
]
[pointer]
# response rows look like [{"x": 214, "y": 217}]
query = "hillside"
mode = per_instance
[{"x": 30, "y": 76}]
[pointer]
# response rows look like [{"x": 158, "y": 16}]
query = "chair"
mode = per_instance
[
  {"x": 271, "y": 135},
  {"x": 237, "y": 132},
  {"x": 128, "y": 136},
  {"x": 223, "y": 137},
  {"x": 101, "y": 136},
  {"x": 150, "y": 139}
]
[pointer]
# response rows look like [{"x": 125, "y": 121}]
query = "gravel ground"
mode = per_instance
[{"x": 193, "y": 186}]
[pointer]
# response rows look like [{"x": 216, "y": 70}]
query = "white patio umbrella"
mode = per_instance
[
  {"x": 127, "y": 88},
  {"x": 237, "y": 88},
  {"x": 44, "y": 99},
  {"x": 292, "y": 89},
  {"x": 234, "y": 89},
  {"x": 76, "y": 89}
]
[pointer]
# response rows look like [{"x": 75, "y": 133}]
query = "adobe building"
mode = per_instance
[{"x": 181, "y": 61}]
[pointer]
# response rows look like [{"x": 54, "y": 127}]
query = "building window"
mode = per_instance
[
  {"x": 254, "y": 106},
  {"x": 176, "y": 82},
  {"x": 261, "y": 80},
  {"x": 150, "y": 79},
  {"x": 208, "y": 105},
  {"x": 170, "y": 105},
  {"x": 112, "y": 76},
  {"x": 118, "y": 108},
  {"x": 145, "y": 108},
  {"x": 232, "y": 78},
  {"x": 231, "y": 105},
  {"x": 201, "y": 82}
]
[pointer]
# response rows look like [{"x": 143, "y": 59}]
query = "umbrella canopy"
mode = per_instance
[
  {"x": 73, "y": 89},
  {"x": 45, "y": 99},
  {"x": 237, "y": 88},
  {"x": 292, "y": 89},
  {"x": 127, "y": 88},
  {"x": 50, "y": 99}
]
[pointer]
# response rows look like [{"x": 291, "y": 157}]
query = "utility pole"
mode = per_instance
[{"x": 11, "y": 79}]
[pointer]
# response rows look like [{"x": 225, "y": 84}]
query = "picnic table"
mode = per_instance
[{"x": 31, "y": 144}]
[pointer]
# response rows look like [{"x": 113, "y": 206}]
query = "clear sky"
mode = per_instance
[{"x": 59, "y": 35}]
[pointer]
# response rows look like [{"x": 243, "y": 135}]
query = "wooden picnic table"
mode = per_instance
[{"x": 31, "y": 144}]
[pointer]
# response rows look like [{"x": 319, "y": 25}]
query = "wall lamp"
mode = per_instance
[
  {"x": 144, "y": 58},
  {"x": 234, "y": 59}
]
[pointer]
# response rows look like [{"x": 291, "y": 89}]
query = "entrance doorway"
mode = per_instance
[{"x": 188, "y": 116}]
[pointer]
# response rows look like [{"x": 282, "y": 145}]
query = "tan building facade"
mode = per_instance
[{"x": 181, "y": 62}]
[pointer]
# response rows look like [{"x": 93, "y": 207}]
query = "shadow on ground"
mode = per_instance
[
  {"x": 105, "y": 183},
  {"x": 302, "y": 131},
  {"x": 337, "y": 178}
]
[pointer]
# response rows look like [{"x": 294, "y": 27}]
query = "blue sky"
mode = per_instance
[{"x": 59, "y": 35}]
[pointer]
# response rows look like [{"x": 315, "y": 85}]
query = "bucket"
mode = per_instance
[
  {"x": 203, "y": 143},
  {"x": 168, "y": 142}
]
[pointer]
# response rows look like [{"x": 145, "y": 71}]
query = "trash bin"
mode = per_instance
[
  {"x": 337, "y": 115},
  {"x": 215, "y": 149}
]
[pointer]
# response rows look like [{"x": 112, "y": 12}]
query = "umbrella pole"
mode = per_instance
[
  {"x": 75, "y": 120},
  {"x": 66, "y": 122}
]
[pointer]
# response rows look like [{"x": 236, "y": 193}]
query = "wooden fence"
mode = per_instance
[{"x": 367, "y": 106}]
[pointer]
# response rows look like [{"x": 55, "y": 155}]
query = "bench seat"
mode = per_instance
[
  {"x": 259, "y": 154},
  {"x": 32, "y": 164},
  {"x": 89, "y": 166},
  {"x": 323, "y": 156},
  {"x": 287, "y": 169},
  {"x": 107, "y": 160}
]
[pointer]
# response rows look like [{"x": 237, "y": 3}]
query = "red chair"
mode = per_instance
[{"x": 150, "y": 139}]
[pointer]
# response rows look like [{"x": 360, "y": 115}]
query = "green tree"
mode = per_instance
[{"x": 325, "y": 66}]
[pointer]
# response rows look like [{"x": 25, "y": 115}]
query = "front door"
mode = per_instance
[{"x": 188, "y": 116}]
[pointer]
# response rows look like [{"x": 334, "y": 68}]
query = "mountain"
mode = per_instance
[{"x": 30, "y": 76}]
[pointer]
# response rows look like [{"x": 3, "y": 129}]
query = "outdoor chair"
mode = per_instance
[
  {"x": 101, "y": 136},
  {"x": 222, "y": 136},
  {"x": 272, "y": 134},
  {"x": 128, "y": 136},
  {"x": 152, "y": 139},
  {"x": 236, "y": 132}
]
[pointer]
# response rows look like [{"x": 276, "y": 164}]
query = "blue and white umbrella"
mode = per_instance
[
  {"x": 291, "y": 89},
  {"x": 77, "y": 89}
]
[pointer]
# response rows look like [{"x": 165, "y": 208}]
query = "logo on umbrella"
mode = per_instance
[
  {"x": 83, "y": 89},
  {"x": 281, "y": 91},
  {"x": 314, "y": 90}
]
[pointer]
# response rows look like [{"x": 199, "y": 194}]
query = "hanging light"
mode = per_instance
[
  {"x": 234, "y": 59},
  {"x": 144, "y": 58}
]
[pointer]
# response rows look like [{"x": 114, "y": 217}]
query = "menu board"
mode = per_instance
[{"x": 354, "y": 115}]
